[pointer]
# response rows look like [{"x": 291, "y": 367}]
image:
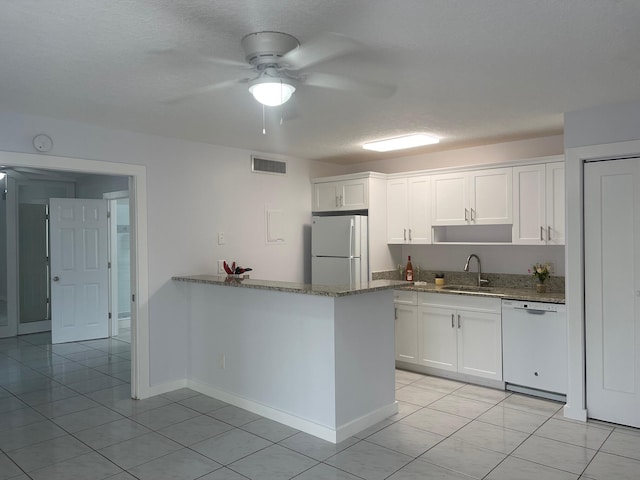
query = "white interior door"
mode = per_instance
[
  {"x": 612, "y": 290},
  {"x": 79, "y": 269}
]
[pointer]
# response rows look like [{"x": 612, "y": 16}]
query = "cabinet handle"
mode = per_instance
[
  {"x": 549, "y": 233},
  {"x": 405, "y": 234},
  {"x": 458, "y": 320},
  {"x": 395, "y": 314},
  {"x": 472, "y": 219},
  {"x": 541, "y": 233},
  {"x": 409, "y": 234},
  {"x": 453, "y": 325},
  {"x": 466, "y": 215},
  {"x": 337, "y": 201}
]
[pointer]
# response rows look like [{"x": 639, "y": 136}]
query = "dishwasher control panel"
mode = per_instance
[{"x": 539, "y": 306}]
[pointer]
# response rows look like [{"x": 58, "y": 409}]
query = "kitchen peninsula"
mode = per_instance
[{"x": 317, "y": 358}]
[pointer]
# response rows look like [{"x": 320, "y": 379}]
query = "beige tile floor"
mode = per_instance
[{"x": 65, "y": 413}]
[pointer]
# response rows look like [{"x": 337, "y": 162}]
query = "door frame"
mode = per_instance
[
  {"x": 140, "y": 387},
  {"x": 111, "y": 198},
  {"x": 575, "y": 158}
]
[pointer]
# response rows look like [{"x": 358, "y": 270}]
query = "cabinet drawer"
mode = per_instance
[
  {"x": 405, "y": 297},
  {"x": 460, "y": 302}
]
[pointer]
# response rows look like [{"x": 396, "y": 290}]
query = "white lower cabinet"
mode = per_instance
[
  {"x": 406, "y": 326},
  {"x": 461, "y": 334}
]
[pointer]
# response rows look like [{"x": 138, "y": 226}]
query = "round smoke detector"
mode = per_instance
[{"x": 267, "y": 47}]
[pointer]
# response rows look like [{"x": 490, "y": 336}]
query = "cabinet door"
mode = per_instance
[
  {"x": 406, "y": 333},
  {"x": 529, "y": 217},
  {"x": 450, "y": 199},
  {"x": 325, "y": 196},
  {"x": 437, "y": 338},
  {"x": 491, "y": 196},
  {"x": 397, "y": 210},
  {"x": 479, "y": 344},
  {"x": 354, "y": 194},
  {"x": 555, "y": 203},
  {"x": 419, "y": 200}
]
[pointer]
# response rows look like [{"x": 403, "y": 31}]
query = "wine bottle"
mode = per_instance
[{"x": 408, "y": 272}]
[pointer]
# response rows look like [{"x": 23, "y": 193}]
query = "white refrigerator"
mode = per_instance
[{"x": 339, "y": 253}]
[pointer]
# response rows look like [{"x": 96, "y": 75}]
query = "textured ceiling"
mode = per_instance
[{"x": 470, "y": 71}]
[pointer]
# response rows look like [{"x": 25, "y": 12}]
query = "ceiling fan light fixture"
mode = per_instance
[
  {"x": 400, "y": 143},
  {"x": 271, "y": 92}
]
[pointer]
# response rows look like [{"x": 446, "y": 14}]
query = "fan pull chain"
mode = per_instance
[{"x": 264, "y": 128}]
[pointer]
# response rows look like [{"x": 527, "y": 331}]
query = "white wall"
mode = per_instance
[
  {"x": 513, "y": 259},
  {"x": 600, "y": 125},
  {"x": 194, "y": 191}
]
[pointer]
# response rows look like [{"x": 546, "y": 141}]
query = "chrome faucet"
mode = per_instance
[{"x": 466, "y": 268}]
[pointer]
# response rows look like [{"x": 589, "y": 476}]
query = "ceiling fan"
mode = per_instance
[{"x": 277, "y": 62}]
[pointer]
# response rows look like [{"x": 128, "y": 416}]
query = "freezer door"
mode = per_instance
[
  {"x": 335, "y": 271},
  {"x": 338, "y": 236}
]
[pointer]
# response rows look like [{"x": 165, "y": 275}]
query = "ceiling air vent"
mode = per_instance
[{"x": 263, "y": 165}]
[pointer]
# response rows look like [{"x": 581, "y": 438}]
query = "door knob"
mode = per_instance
[{"x": 56, "y": 279}]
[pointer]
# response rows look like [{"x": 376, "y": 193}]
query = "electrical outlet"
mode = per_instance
[
  {"x": 221, "y": 238},
  {"x": 221, "y": 266},
  {"x": 223, "y": 361}
]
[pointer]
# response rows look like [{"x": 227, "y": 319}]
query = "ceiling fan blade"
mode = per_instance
[
  {"x": 198, "y": 57},
  {"x": 205, "y": 89},
  {"x": 319, "y": 49},
  {"x": 372, "y": 89}
]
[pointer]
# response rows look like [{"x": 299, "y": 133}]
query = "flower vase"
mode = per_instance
[{"x": 541, "y": 288}]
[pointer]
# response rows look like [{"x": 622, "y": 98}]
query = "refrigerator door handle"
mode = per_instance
[
  {"x": 351, "y": 271},
  {"x": 352, "y": 228}
]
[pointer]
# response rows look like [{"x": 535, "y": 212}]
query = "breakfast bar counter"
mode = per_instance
[{"x": 317, "y": 358}]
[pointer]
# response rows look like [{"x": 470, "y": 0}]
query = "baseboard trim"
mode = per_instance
[
  {"x": 358, "y": 425},
  {"x": 153, "y": 390},
  {"x": 574, "y": 413},
  {"x": 460, "y": 377},
  {"x": 325, "y": 432}
]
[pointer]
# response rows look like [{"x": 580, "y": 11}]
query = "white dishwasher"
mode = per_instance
[{"x": 534, "y": 348}]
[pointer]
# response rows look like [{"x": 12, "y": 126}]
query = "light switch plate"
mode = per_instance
[{"x": 221, "y": 238}]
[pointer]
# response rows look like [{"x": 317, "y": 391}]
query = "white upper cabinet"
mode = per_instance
[
  {"x": 397, "y": 210},
  {"x": 450, "y": 194},
  {"x": 555, "y": 203},
  {"x": 491, "y": 196},
  {"x": 341, "y": 195},
  {"x": 481, "y": 197},
  {"x": 538, "y": 204},
  {"x": 325, "y": 196},
  {"x": 408, "y": 210}
]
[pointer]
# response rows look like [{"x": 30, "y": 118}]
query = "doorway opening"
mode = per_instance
[{"x": 62, "y": 167}]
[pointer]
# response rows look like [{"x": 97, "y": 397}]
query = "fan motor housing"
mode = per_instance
[{"x": 267, "y": 47}]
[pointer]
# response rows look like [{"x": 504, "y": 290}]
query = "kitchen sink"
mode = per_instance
[{"x": 472, "y": 289}]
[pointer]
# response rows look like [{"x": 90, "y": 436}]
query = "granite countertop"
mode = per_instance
[
  {"x": 290, "y": 287},
  {"x": 524, "y": 294}
]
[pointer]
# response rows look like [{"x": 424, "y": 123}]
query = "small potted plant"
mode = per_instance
[{"x": 541, "y": 271}]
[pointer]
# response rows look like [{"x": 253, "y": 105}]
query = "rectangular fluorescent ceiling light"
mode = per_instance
[{"x": 400, "y": 143}]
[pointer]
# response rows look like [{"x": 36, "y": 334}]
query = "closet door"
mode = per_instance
[{"x": 612, "y": 290}]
